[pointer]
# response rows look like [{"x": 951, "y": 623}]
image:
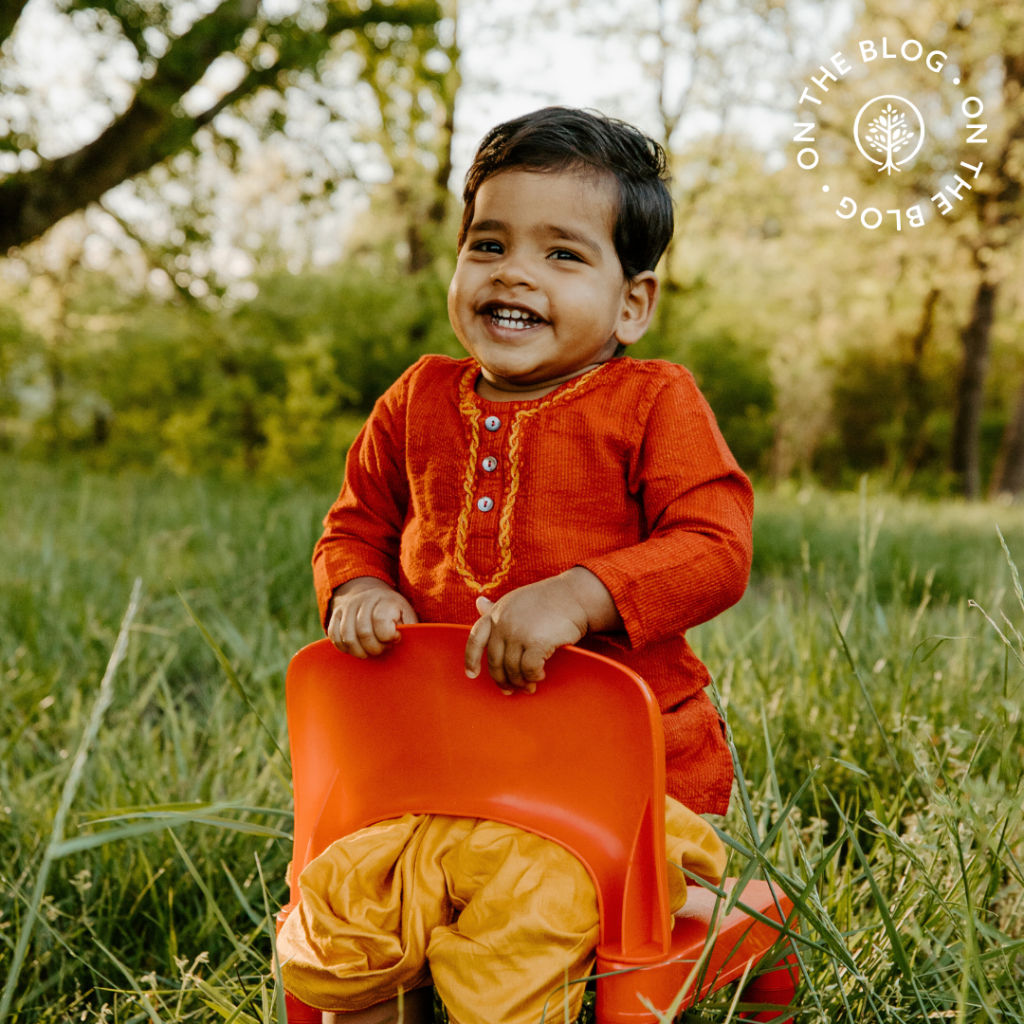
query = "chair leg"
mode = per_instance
[
  {"x": 299, "y": 1013},
  {"x": 776, "y": 987}
]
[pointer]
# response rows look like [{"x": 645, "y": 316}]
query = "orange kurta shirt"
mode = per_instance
[{"x": 622, "y": 471}]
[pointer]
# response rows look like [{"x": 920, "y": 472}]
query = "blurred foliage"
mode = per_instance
[
  {"x": 738, "y": 386},
  {"x": 280, "y": 386},
  {"x": 824, "y": 348}
]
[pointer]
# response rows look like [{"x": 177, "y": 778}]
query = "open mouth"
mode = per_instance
[{"x": 513, "y": 318}]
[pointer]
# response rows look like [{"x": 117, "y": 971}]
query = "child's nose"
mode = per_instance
[{"x": 513, "y": 270}]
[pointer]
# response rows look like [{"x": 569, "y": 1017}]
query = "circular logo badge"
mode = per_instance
[
  {"x": 885, "y": 128},
  {"x": 889, "y": 131}
]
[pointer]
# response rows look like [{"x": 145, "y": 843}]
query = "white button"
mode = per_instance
[
  {"x": 485, "y": 504},
  {"x": 492, "y": 423},
  {"x": 490, "y": 464}
]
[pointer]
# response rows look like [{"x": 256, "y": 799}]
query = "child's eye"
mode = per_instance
[
  {"x": 564, "y": 254},
  {"x": 488, "y": 245}
]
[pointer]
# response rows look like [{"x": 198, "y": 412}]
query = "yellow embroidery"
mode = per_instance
[{"x": 469, "y": 409}]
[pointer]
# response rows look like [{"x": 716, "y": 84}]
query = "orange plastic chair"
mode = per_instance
[{"x": 581, "y": 762}]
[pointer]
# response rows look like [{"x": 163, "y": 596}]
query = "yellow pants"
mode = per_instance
[{"x": 492, "y": 915}]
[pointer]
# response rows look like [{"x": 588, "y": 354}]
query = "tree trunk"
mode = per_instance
[
  {"x": 1010, "y": 476},
  {"x": 971, "y": 391},
  {"x": 915, "y": 375},
  {"x": 422, "y": 238},
  {"x": 915, "y": 416}
]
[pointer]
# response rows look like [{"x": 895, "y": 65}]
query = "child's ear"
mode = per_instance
[{"x": 639, "y": 301}]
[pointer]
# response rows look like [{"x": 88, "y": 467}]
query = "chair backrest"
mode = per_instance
[{"x": 581, "y": 762}]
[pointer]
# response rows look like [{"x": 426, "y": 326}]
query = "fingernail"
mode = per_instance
[
  {"x": 531, "y": 687},
  {"x": 508, "y": 693}
]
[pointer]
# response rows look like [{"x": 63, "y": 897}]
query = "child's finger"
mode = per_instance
[
  {"x": 496, "y": 661},
  {"x": 532, "y": 667},
  {"x": 349, "y": 642},
  {"x": 334, "y": 631},
  {"x": 478, "y": 637},
  {"x": 383, "y": 619},
  {"x": 408, "y": 615},
  {"x": 515, "y": 668},
  {"x": 511, "y": 656},
  {"x": 365, "y": 635}
]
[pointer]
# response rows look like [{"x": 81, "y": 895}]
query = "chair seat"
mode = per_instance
[{"x": 741, "y": 940}]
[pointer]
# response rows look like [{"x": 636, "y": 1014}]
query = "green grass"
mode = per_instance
[{"x": 903, "y": 747}]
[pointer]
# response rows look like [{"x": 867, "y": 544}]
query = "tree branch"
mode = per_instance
[{"x": 154, "y": 126}]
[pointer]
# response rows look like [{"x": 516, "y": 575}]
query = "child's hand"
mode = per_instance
[
  {"x": 365, "y": 613},
  {"x": 525, "y": 627}
]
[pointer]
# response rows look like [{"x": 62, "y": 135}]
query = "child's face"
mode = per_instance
[{"x": 538, "y": 291}]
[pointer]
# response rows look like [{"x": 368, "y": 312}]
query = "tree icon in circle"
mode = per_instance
[{"x": 888, "y": 134}]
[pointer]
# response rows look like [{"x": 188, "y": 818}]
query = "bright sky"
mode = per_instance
[
  {"x": 61, "y": 78},
  {"x": 593, "y": 53}
]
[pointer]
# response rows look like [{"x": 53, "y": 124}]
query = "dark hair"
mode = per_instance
[{"x": 563, "y": 138}]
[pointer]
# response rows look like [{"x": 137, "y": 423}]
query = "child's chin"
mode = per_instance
[{"x": 514, "y": 371}]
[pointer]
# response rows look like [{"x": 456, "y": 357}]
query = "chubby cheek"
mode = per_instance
[{"x": 454, "y": 297}]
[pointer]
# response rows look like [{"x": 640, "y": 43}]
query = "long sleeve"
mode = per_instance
[
  {"x": 622, "y": 470},
  {"x": 363, "y": 529},
  {"x": 697, "y": 510}
]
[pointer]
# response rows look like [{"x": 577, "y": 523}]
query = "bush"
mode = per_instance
[
  {"x": 892, "y": 413},
  {"x": 737, "y": 383},
  {"x": 278, "y": 387}
]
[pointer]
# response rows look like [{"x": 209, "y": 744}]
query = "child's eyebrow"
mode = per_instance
[
  {"x": 555, "y": 230},
  {"x": 488, "y": 225},
  {"x": 571, "y": 235}
]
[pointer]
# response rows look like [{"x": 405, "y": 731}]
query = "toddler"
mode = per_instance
[{"x": 547, "y": 491}]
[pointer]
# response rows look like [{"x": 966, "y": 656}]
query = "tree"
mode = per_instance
[
  {"x": 416, "y": 131},
  {"x": 155, "y": 124},
  {"x": 987, "y": 41},
  {"x": 992, "y": 40},
  {"x": 969, "y": 181}
]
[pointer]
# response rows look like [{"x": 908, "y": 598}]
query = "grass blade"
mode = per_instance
[
  {"x": 232, "y": 676},
  {"x": 282, "y": 1013},
  {"x": 67, "y": 797},
  {"x": 864, "y": 690}
]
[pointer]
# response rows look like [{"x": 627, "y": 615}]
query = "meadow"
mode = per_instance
[{"x": 875, "y": 710}]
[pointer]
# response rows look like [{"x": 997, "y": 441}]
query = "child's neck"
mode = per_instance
[{"x": 507, "y": 391}]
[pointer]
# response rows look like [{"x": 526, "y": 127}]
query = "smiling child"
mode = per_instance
[{"x": 547, "y": 491}]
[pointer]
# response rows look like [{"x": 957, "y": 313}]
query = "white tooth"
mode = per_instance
[{"x": 517, "y": 314}]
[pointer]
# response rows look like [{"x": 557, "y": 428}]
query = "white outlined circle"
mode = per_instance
[{"x": 920, "y": 133}]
